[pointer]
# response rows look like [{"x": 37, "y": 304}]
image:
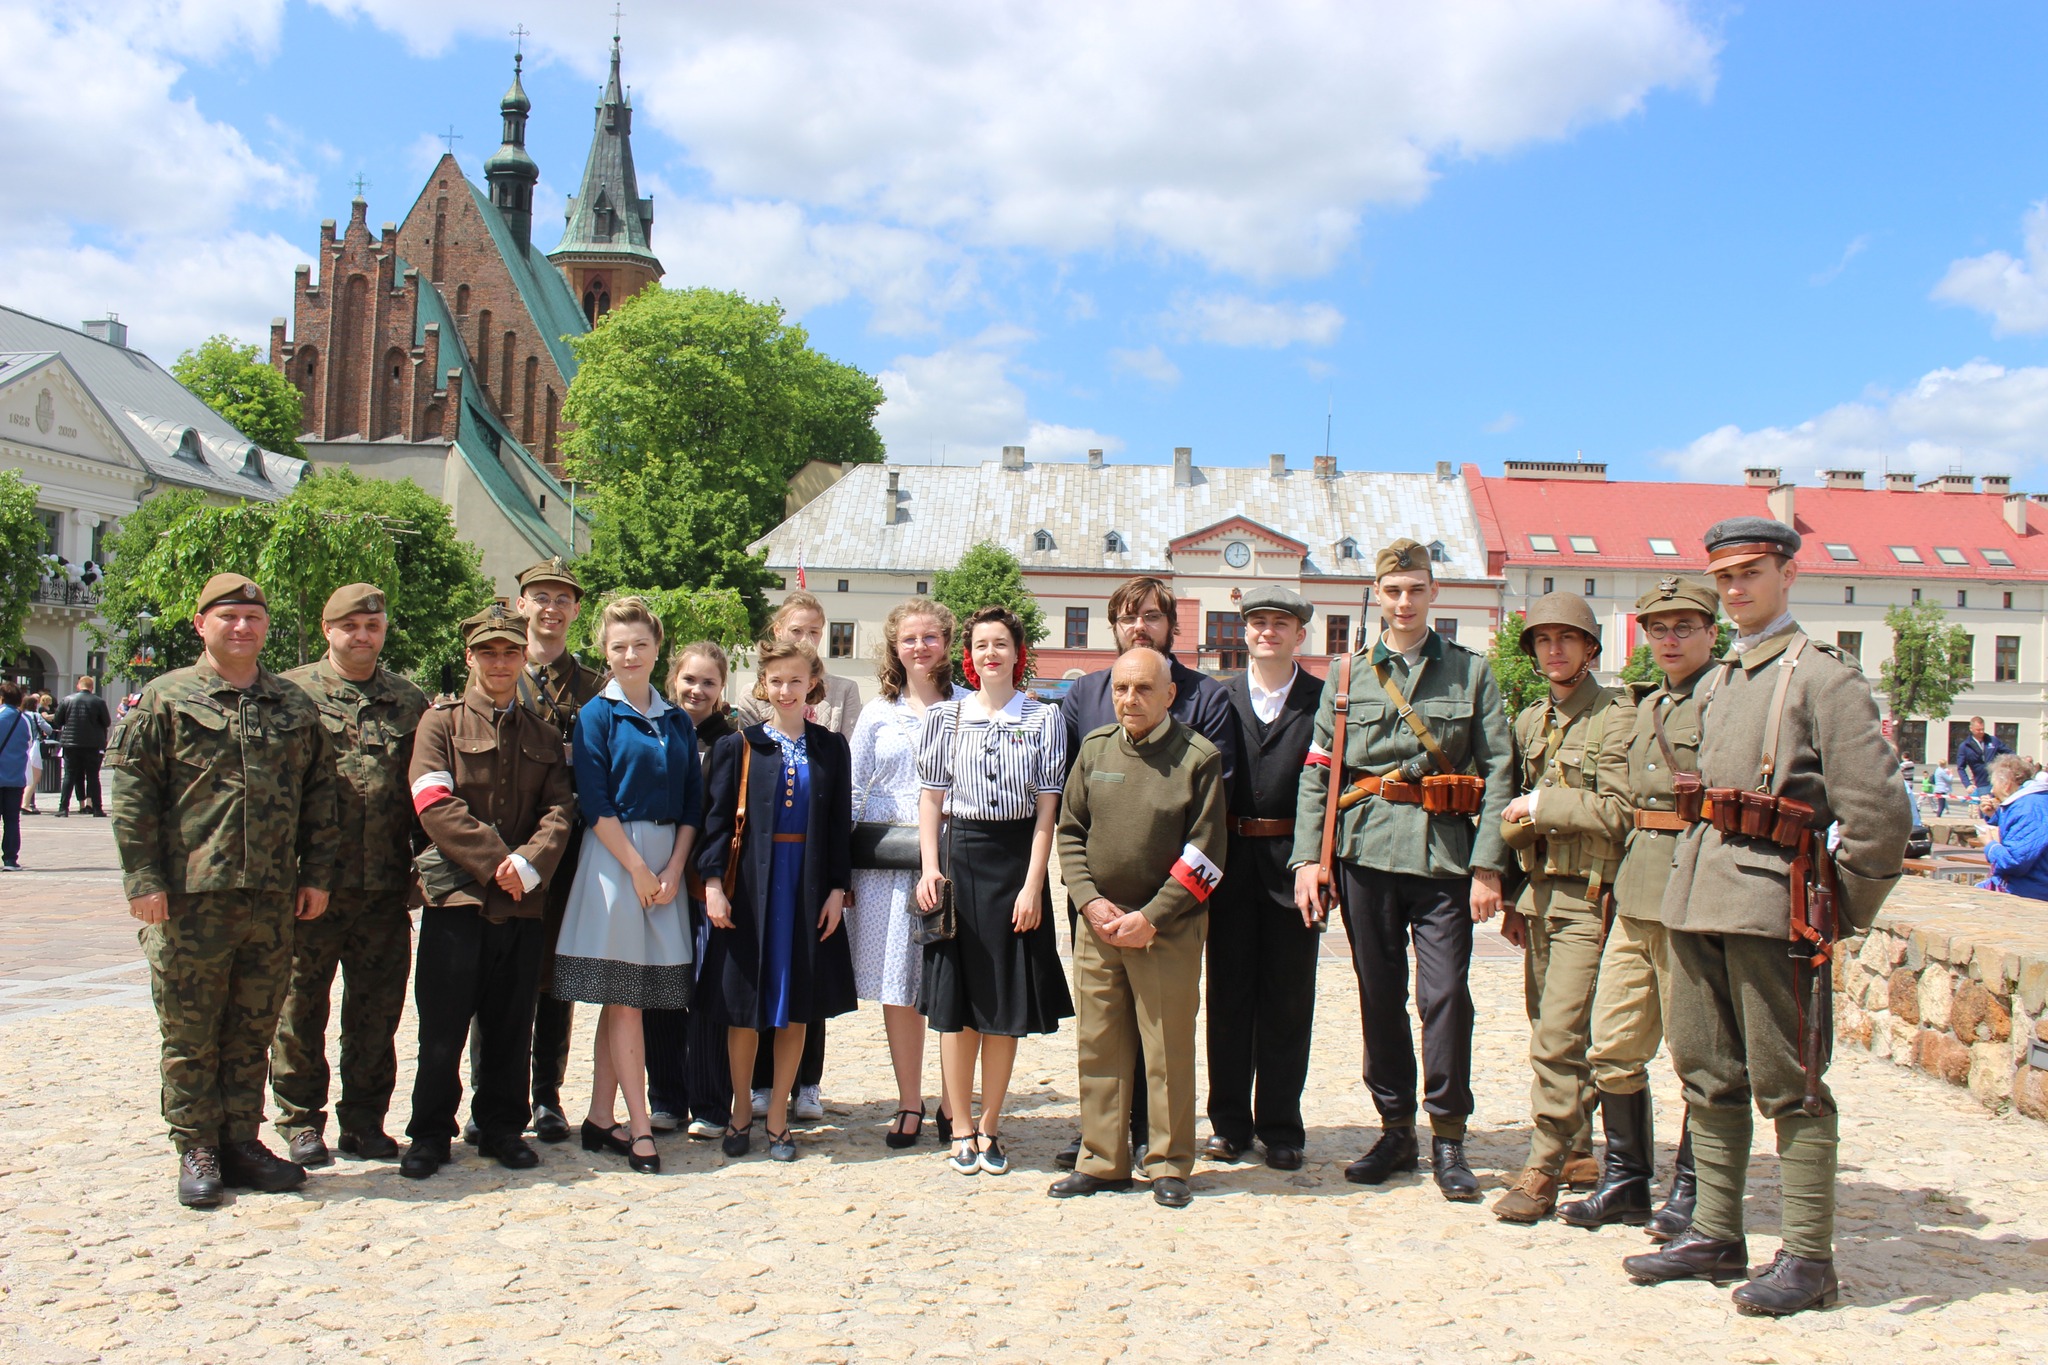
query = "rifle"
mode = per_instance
[
  {"x": 1814, "y": 931},
  {"x": 1326, "y": 865}
]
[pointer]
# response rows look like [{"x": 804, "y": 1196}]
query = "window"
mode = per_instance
[
  {"x": 1550, "y": 585},
  {"x": 923, "y": 587},
  {"x": 1583, "y": 545},
  {"x": 1845, "y": 554},
  {"x": 1447, "y": 626},
  {"x": 2005, "y": 665},
  {"x": 1970, "y": 652},
  {"x": 1661, "y": 546},
  {"x": 1544, "y": 545},
  {"x": 1906, "y": 554},
  {"x": 1041, "y": 540},
  {"x": 1113, "y": 543},
  {"x": 841, "y": 646},
  {"x": 1997, "y": 559},
  {"x": 1077, "y": 627},
  {"x": 1226, "y": 638},
  {"x": 1962, "y": 597},
  {"x": 1438, "y": 554},
  {"x": 1336, "y": 635},
  {"x": 1956, "y": 730},
  {"x": 51, "y": 522},
  {"x": 1912, "y": 736},
  {"x": 1347, "y": 548},
  {"x": 2008, "y": 732},
  {"x": 1850, "y": 642},
  {"x": 1916, "y": 594},
  {"x": 1948, "y": 554},
  {"x": 844, "y": 586},
  {"x": 2008, "y": 601},
  {"x": 1849, "y": 596},
  {"x": 1590, "y": 589}
]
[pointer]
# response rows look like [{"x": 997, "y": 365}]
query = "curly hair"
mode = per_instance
[
  {"x": 889, "y": 669},
  {"x": 772, "y": 651},
  {"x": 995, "y": 616}
]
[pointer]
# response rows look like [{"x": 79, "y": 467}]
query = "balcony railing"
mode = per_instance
[{"x": 55, "y": 593}]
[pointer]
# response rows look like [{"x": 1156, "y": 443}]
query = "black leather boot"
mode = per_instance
[
  {"x": 1676, "y": 1215},
  {"x": 1623, "y": 1194},
  {"x": 1690, "y": 1256},
  {"x": 1393, "y": 1153},
  {"x": 252, "y": 1166},
  {"x": 199, "y": 1182},
  {"x": 1793, "y": 1284},
  {"x": 1453, "y": 1176}
]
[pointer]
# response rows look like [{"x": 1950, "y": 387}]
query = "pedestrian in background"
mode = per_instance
[
  {"x": 1973, "y": 755},
  {"x": 1943, "y": 785},
  {"x": 40, "y": 744},
  {"x": 17, "y": 742},
  {"x": 82, "y": 726}
]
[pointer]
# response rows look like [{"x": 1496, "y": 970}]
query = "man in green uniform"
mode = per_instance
[
  {"x": 370, "y": 714},
  {"x": 1567, "y": 826},
  {"x": 223, "y": 814},
  {"x": 1678, "y": 617},
  {"x": 1791, "y": 745},
  {"x": 1419, "y": 708}
]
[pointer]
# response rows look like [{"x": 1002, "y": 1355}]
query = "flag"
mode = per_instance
[{"x": 800, "y": 567}]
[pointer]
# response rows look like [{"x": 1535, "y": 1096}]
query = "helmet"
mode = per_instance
[{"x": 1560, "y": 609}]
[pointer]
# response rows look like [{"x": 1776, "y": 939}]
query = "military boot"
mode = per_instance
[
  {"x": 199, "y": 1182},
  {"x": 309, "y": 1149},
  {"x": 1581, "y": 1171},
  {"x": 1529, "y": 1200},
  {"x": 1623, "y": 1195},
  {"x": 1793, "y": 1284},
  {"x": 1690, "y": 1256},
  {"x": 1676, "y": 1214},
  {"x": 249, "y": 1165}
]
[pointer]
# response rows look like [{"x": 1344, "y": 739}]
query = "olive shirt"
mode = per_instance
[
  {"x": 1646, "y": 863},
  {"x": 1571, "y": 757},
  {"x": 556, "y": 690},
  {"x": 1454, "y": 694},
  {"x": 370, "y": 727},
  {"x": 1832, "y": 755},
  {"x": 219, "y": 788},
  {"x": 1144, "y": 823}
]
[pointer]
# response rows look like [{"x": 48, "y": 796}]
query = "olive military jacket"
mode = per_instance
[
  {"x": 218, "y": 788},
  {"x": 1571, "y": 758},
  {"x": 556, "y": 691},
  {"x": 1831, "y": 754},
  {"x": 1454, "y": 693},
  {"x": 370, "y": 727},
  {"x": 1646, "y": 863}
]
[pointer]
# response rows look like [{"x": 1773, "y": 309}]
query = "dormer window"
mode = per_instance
[
  {"x": 1662, "y": 545},
  {"x": 1543, "y": 545},
  {"x": 1584, "y": 545},
  {"x": 1041, "y": 540},
  {"x": 1347, "y": 548},
  {"x": 1438, "y": 554},
  {"x": 1113, "y": 543},
  {"x": 189, "y": 448}
]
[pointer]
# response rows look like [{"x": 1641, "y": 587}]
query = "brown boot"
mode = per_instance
[
  {"x": 1530, "y": 1199},
  {"x": 1581, "y": 1171}
]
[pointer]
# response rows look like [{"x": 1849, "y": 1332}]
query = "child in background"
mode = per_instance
[{"x": 1943, "y": 785}]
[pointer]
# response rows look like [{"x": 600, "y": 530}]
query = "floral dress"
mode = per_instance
[{"x": 886, "y": 964}]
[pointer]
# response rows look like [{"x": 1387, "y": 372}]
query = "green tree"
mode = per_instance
[
  {"x": 1930, "y": 664},
  {"x": 692, "y": 408},
  {"x": 686, "y": 614},
  {"x": 21, "y": 543},
  {"x": 139, "y": 635},
  {"x": 988, "y": 575},
  {"x": 1515, "y": 672},
  {"x": 233, "y": 381}
]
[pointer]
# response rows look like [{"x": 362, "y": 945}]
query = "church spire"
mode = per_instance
[
  {"x": 510, "y": 172},
  {"x": 606, "y": 251}
]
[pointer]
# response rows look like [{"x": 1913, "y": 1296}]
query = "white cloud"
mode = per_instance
[
  {"x": 1150, "y": 364},
  {"x": 1857, "y": 246},
  {"x": 2013, "y": 292},
  {"x": 1978, "y": 418},
  {"x": 1234, "y": 320},
  {"x": 960, "y": 404},
  {"x": 1503, "y": 424}
]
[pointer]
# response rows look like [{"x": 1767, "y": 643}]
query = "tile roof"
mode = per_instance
[
  {"x": 943, "y": 511},
  {"x": 1620, "y": 518}
]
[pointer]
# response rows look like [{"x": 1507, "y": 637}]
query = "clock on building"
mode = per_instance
[{"x": 1237, "y": 554}]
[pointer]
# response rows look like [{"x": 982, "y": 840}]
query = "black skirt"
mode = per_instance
[{"x": 989, "y": 977}]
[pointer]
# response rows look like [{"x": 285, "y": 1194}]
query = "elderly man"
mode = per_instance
[{"x": 1142, "y": 843}]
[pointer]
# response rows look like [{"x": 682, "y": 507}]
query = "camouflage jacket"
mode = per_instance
[
  {"x": 369, "y": 728},
  {"x": 220, "y": 789}
]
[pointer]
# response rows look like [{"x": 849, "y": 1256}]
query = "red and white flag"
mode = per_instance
[
  {"x": 1194, "y": 871},
  {"x": 428, "y": 788},
  {"x": 800, "y": 566}
]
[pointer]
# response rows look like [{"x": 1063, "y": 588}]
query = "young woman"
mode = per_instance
[
  {"x": 777, "y": 959},
  {"x": 625, "y": 940},
  {"x": 916, "y": 673},
  {"x": 992, "y": 765}
]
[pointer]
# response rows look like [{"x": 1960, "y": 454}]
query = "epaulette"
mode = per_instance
[
  {"x": 445, "y": 702},
  {"x": 1834, "y": 652},
  {"x": 1640, "y": 689},
  {"x": 1108, "y": 729}
]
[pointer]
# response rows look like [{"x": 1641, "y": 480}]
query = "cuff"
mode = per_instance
[{"x": 527, "y": 876}]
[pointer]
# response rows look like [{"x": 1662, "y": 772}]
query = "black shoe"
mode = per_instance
[
  {"x": 1676, "y": 1215},
  {"x": 309, "y": 1149},
  {"x": 1066, "y": 1156},
  {"x": 61, "y": 814},
  {"x": 1283, "y": 1158},
  {"x": 899, "y": 1139},
  {"x": 470, "y": 1134},
  {"x": 1172, "y": 1192},
  {"x": 511, "y": 1152},
  {"x": 596, "y": 1139},
  {"x": 1080, "y": 1183},
  {"x": 424, "y": 1157},
  {"x": 1623, "y": 1194},
  {"x": 649, "y": 1164},
  {"x": 199, "y": 1182},
  {"x": 549, "y": 1125},
  {"x": 1221, "y": 1148},
  {"x": 372, "y": 1145},
  {"x": 252, "y": 1166},
  {"x": 1691, "y": 1257},
  {"x": 1793, "y": 1284},
  {"x": 1453, "y": 1177},
  {"x": 1393, "y": 1153},
  {"x": 942, "y": 1127},
  {"x": 781, "y": 1146},
  {"x": 738, "y": 1141}
]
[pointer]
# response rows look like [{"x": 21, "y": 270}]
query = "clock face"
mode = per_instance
[{"x": 1237, "y": 554}]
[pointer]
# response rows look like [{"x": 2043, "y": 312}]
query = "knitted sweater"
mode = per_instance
[{"x": 1143, "y": 824}]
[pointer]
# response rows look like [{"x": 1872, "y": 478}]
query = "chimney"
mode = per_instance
[
  {"x": 1760, "y": 478},
  {"x": 1443, "y": 469},
  {"x": 1953, "y": 483},
  {"x": 1095, "y": 459},
  {"x": 889, "y": 505},
  {"x": 2016, "y": 512},
  {"x": 1843, "y": 478},
  {"x": 1898, "y": 481},
  {"x": 1326, "y": 466},
  {"x": 109, "y": 329},
  {"x": 1577, "y": 470},
  {"x": 1013, "y": 457},
  {"x": 1183, "y": 466},
  {"x": 1277, "y": 465},
  {"x": 2000, "y": 484},
  {"x": 1780, "y": 500}
]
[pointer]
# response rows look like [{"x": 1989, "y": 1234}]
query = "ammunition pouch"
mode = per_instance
[
  {"x": 1689, "y": 795},
  {"x": 1451, "y": 794},
  {"x": 1778, "y": 820}
]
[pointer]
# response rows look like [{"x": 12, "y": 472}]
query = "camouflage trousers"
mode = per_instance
[
  {"x": 217, "y": 972},
  {"x": 367, "y": 935}
]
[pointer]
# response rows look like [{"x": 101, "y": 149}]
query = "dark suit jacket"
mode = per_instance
[
  {"x": 1198, "y": 703},
  {"x": 1267, "y": 783}
]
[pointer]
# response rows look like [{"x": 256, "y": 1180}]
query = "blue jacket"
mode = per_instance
[
  {"x": 625, "y": 771},
  {"x": 14, "y": 747},
  {"x": 2017, "y": 857},
  {"x": 1975, "y": 758},
  {"x": 1199, "y": 702}
]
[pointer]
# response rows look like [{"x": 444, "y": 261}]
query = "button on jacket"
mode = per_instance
[
  {"x": 510, "y": 793},
  {"x": 635, "y": 767},
  {"x": 1572, "y": 760},
  {"x": 220, "y": 789},
  {"x": 370, "y": 726},
  {"x": 1646, "y": 864}
]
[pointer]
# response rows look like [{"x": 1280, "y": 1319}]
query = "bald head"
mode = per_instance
[{"x": 1141, "y": 688}]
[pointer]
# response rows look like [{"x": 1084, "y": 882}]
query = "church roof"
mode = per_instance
[
  {"x": 607, "y": 214},
  {"x": 541, "y": 286}
]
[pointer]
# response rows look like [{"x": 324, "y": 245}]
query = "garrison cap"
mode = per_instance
[
  {"x": 226, "y": 588},
  {"x": 554, "y": 570},
  {"x": 495, "y": 622},
  {"x": 1674, "y": 593},
  {"x": 1273, "y": 597},
  {"x": 1560, "y": 609},
  {"x": 1403, "y": 556},
  {"x": 347, "y": 601},
  {"x": 1738, "y": 540}
]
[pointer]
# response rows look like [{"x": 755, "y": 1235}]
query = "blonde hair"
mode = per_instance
[
  {"x": 791, "y": 605},
  {"x": 697, "y": 649},
  {"x": 772, "y": 651},
  {"x": 629, "y": 611},
  {"x": 889, "y": 669}
]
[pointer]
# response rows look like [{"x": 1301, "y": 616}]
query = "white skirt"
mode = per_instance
[
  {"x": 612, "y": 952},
  {"x": 886, "y": 964}
]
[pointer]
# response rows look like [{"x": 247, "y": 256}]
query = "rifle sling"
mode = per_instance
[
  {"x": 1774, "y": 723},
  {"x": 1342, "y": 703}
]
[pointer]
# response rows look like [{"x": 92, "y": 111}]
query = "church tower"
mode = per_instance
[
  {"x": 510, "y": 172},
  {"x": 606, "y": 253}
]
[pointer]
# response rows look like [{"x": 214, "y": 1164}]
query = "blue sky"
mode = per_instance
[{"x": 1677, "y": 238}]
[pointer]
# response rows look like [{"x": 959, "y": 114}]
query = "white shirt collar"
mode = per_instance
[
  {"x": 614, "y": 692},
  {"x": 1013, "y": 710},
  {"x": 1266, "y": 705}
]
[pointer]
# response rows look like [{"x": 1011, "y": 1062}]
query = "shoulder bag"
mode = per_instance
[
  {"x": 739, "y": 816},
  {"x": 942, "y": 921}
]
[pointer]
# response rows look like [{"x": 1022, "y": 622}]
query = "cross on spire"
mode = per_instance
[
  {"x": 360, "y": 182},
  {"x": 617, "y": 12},
  {"x": 520, "y": 34},
  {"x": 451, "y": 137}
]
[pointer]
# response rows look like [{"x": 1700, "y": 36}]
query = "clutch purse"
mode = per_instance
[
  {"x": 879, "y": 847},
  {"x": 938, "y": 925}
]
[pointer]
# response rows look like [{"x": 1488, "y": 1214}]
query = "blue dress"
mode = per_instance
[{"x": 786, "y": 875}]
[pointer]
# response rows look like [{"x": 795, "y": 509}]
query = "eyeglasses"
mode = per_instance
[
  {"x": 548, "y": 599},
  {"x": 1150, "y": 618},
  {"x": 1682, "y": 630},
  {"x": 928, "y": 641}
]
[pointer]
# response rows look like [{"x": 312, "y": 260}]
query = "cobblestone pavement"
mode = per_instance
[{"x": 858, "y": 1252}]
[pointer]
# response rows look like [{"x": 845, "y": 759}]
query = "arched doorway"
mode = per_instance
[{"x": 32, "y": 668}]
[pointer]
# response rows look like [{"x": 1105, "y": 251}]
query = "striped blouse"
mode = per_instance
[{"x": 996, "y": 770}]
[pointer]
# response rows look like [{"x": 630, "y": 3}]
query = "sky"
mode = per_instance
[{"x": 1681, "y": 239}]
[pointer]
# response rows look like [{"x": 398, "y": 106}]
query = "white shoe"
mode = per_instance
[
  {"x": 808, "y": 1106},
  {"x": 760, "y": 1104},
  {"x": 661, "y": 1121},
  {"x": 706, "y": 1129}
]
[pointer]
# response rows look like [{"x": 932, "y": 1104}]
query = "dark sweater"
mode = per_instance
[{"x": 1142, "y": 825}]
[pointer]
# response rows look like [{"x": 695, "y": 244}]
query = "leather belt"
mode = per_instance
[
  {"x": 789, "y": 838},
  {"x": 1669, "y": 820},
  {"x": 1261, "y": 829},
  {"x": 1386, "y": 787}
]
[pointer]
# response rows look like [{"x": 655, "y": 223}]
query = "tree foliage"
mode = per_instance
[
  {"x": 235, "y": 382},
  {"x": 686, "y": 614},
  {"x": 988, "y": 575},
  {"x": 692, "y": 409},
  {"x": 1930, "y": 664},
  {"x": 21, "y": 540},
  {"x": 1514, "y": 672}
]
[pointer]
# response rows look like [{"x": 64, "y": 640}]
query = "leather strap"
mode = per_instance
[
  {"x": 1386, "y": 786},
  {"x": 1342, "y": 703},
  {"x": 1250, "y": 828},
  {"x": 1657, "y": 728},
  {"x": 1787, "y": 661},
  {"x": 789, "y": 838},
  {"x": 1384, "y": 671},
  {"x": 1668, "y": 820},
  {"x": 739, "y": 814}
]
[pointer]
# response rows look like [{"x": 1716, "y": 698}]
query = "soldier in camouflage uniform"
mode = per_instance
[
  {"x": 223, "y": 814},
  {"x": 370, "y": 714}
]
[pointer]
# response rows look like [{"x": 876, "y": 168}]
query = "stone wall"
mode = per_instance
[{"x": 1952, "y": 981}]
